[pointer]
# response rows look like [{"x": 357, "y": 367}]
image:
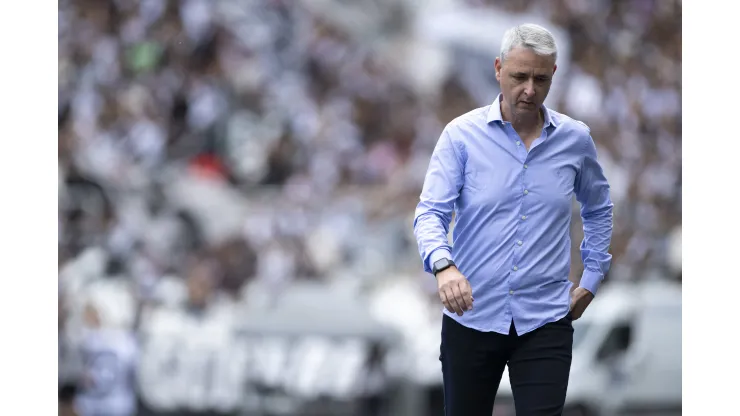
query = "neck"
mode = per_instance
[{"x": 522, "y": 122}]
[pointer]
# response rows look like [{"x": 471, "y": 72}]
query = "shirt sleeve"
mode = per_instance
[
  {"x": 433, "y": 215},
  {"x": 592, "y": 192}
]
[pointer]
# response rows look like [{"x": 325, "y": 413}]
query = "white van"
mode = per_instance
[{"x": 626, "y": 354}]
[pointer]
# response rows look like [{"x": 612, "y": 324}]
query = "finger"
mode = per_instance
[
  {"x": 455, "y": 299},
  {"x": 464, "y": 298},
  {"x": 467, "y": 295},
  {"x": 443, "y": 298},
  {"x": 451, "y": 298}
]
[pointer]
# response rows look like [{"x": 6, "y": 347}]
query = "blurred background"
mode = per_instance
[{"x": 237, "y": 183}]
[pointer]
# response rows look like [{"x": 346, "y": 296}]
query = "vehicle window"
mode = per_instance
[{"x": 616, "y": 343}]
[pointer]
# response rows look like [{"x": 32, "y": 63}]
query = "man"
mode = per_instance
[
  {"x": 509, "y": 171},
  {"x": 109, "y": 354},
  {"x": 189, "y": 364}
]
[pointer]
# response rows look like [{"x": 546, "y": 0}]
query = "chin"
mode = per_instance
[{"x": 525, "y": 111}]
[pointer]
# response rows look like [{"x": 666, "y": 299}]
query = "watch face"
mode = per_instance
[{"x": 441, "y": 263}]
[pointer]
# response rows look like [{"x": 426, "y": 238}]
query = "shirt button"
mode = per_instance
[
  {"x": 525, "y": 166},
  {"x": 524, "y": 217},
  {"x": 519, "y": 242},
  {"x": 511, "y": 292},
  {"x": 515, "y": 268},
  {"x": 518, "y": 143},
  {"x": 526, "y": 192}
]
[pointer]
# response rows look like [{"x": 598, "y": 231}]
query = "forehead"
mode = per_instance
[{"x": 525, "y": 60}]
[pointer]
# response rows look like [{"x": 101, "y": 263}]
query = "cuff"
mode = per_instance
[
  {"x": 591, "y": 281},
  {"x": 440, "y": 253}
]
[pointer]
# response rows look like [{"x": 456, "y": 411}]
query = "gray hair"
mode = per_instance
[{"x": 531, "y": 36}]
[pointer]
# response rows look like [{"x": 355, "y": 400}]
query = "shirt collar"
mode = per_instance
[{"x": 494, "y": 114}]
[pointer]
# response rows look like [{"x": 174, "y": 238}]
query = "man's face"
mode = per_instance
[{"x": 525, "y": 79}]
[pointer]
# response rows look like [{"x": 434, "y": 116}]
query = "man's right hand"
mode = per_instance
[{"x": 454, "y": 291}]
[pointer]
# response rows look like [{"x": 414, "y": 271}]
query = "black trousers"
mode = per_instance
[{"x": 473, "y": 363}]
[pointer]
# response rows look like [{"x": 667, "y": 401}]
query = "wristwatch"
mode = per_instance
[{"x": 441, "y": 264}]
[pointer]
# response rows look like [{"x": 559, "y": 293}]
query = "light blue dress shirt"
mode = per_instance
[{"x": 512, "y": 216}]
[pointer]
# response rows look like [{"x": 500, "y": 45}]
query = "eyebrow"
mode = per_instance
[{"x": 525, "y": 74}]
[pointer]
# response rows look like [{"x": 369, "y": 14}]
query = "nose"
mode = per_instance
[{"x": 529, "y": 89}]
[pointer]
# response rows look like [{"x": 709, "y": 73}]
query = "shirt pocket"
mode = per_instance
[{"x": 565, "y": 177}]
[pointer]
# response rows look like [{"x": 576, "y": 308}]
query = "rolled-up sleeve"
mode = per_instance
[
  {"x": 592, "y": 192},
  {"x": 433, "y": 215}
]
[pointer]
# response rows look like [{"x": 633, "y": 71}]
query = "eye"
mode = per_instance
[{"x": 542, "y": 79}]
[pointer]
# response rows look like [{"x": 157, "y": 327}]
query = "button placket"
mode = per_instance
[{"x": 523, "y": 208}]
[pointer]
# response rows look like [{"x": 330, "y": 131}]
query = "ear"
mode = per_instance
[
  {"x": 554, "y": 68},
  {"x": 497, "y": 67}
]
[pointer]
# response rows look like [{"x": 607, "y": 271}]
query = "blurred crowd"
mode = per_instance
[{"x": 210, "y": 147}]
